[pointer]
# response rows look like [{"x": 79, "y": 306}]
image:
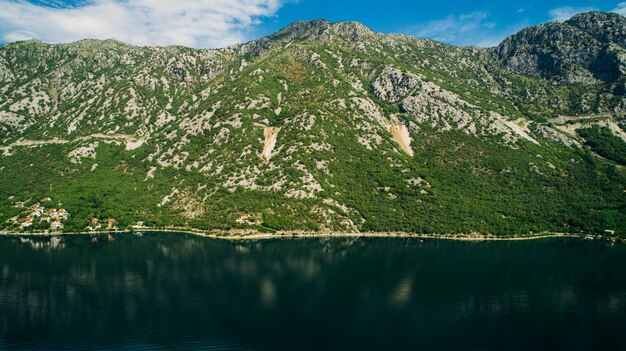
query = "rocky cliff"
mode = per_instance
[{"x": 588, "y": 48}]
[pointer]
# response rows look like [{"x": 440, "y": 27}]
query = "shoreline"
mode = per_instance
[{"x": 239, "y": 235}]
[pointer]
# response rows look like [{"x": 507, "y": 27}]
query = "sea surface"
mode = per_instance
[{"x": 174, "y": 292}]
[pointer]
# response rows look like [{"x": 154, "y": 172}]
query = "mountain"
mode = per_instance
[
  {"x": 323, "y": 126},
  {"x": 588, "y": 48}
]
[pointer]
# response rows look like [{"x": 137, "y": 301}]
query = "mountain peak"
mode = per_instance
[
  {"x": 587, "y": 48},
  {"x": 321, "y": 28},
  {"x": 318, "y": 29},
  {"x": 303, "y": 29},
  {"x": 597, "y": 16},
  {"x": 603, "y": 26}
]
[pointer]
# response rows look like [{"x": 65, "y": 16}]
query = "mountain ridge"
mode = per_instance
[
  {"x": 588, "y": 47},
  {"x": 320, "y": 126}
]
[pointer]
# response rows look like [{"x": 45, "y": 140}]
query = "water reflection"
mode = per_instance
[
  {"x": 52, "y": 243},
  {"x": 181, "y": 292}
]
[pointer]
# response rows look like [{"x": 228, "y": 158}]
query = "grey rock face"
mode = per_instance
[
  {"x": 589, "y": 48},
  {"x": 392, "y": 84},
  {"x": 179, "y": 73},
  {"x": 603, "y": 26}
]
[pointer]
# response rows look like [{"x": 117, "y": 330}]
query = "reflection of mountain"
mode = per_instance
[{"x": 320, "y": 294}]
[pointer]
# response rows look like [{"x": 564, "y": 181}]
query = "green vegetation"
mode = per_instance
[
  {"x": 202, "y": 114},
  {"x": 605, "y": 143}
]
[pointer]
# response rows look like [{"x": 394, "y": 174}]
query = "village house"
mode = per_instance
[
  {"x": 20, "y": 204},
  {"x": 26, "y": 222},
  {"x": 45, "y": 219},
  {"x": 46, "y": 199},
  {"x": 56, "y": 225},
  {"x": 94, "y": 224},
  {"x": 15, "y": 219},
  {"x": 139, "y": 225},
  {"x": 37, "y": 210},
  {"x": 111, "y": 223},
  {"x": 62, "y": 213},
  {"x": 243, "y": 218}
]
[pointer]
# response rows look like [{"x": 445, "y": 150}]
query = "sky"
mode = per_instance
[{"x": 219, "y": 23}]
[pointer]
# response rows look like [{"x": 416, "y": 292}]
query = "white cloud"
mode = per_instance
[
  {"x": 197, "y": 23},
  {"x": 451, "y": 27},
  {"x": 467, "y": 29},
  {"x": 621, "y": 8},
  {"x": 564, "y": 13}
]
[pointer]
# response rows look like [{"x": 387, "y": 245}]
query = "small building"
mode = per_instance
[
  {"x": 26, "y": 222},
  {"x": 56, "y": 224},
  {"x": 46, "y": 199},
  {"x": 15, "y": 219},
  {"x": 243, "y": 218},
  {"x": 94, "y": 224},
  {"x": 45, "y": 219},
  {"x": 62, "y": 213},
  {"x": 609, "y": 232},
  {"x": 111, "y": 222},
  {"x": 37, "y": 210},
  {"x": 20, "y": 204}
]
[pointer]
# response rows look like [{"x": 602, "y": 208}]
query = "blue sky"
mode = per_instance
[
  {"x": 455, "y": 22},
  {"x": 217, "y": 23}
]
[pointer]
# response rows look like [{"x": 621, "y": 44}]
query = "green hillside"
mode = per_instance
[{"x": 322, "y": 126}]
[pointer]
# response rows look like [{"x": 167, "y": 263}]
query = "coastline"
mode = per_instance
[{"x": 238, "y": 235}]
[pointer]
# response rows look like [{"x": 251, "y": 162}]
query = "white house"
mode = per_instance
[
  {"x": 26, "y": 222},
  {"x": 62, "y": 213},
  {"x": 139, "y": 225},
  {"x": 111, "y": 222},
  {"x": 243, "y": 218},
  {"x": 56, "y": 225}
]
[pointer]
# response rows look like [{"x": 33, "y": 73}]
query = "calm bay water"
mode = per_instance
[{"x": 179, "y": 292}]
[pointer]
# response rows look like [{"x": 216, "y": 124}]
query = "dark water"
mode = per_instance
[{"x": 177, "y": 292}]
